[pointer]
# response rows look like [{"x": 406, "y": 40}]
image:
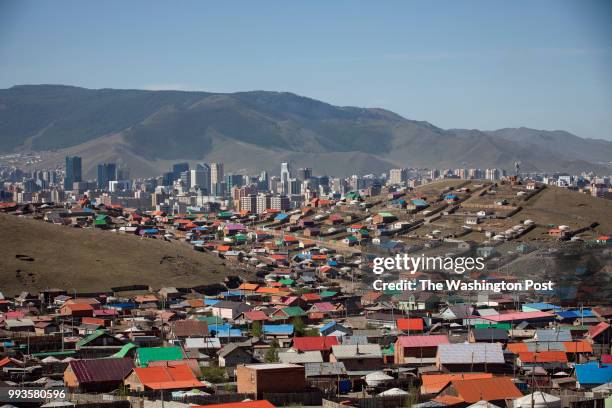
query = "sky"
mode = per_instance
[{"x": 457, "y": 64}]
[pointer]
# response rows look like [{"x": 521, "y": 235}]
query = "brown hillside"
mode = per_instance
[{"x": 88, "y": 260}]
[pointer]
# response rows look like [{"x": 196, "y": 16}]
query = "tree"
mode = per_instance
[
  {"x": 213, "y": 374},
  {"x": 298, "y": 326},
  {"x": 272, "y": 353},
  {"x": 256, "y": 329}
]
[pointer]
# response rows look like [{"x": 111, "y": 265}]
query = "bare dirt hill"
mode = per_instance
[
  {"x": 557, "y": 206},
  {"x": 36, "y": 255}
]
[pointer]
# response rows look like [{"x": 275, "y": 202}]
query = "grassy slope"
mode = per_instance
[{"x": 86, "y": 260}]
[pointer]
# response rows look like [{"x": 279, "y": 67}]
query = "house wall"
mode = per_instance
[
  {"x": 273, "y": 380},
  {"x": 224, "y": 313},
  {"x": 235, "y": 358},
  {"x": 477, "y": 367},
  {"x": 425, "y": 352},
  {"x": 70, "y": 379},
  {"x": 133, "y": 382},
  {"x": 359, "y": 364}
]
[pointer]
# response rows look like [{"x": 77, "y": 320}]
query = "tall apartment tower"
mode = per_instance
[
  {"x": 216, "y": 178},
  {"x": 280, "y": 202},
  {"x": 106, "y": 172},
  {"x": 305, "y": 173},
  {"x": 398, "y": 176},
  {"x": 285, "y": 176},
  {"x": 74, "y": 171},
  {"x": 264, "y": 201},
  {"x": 178, "y": 168},
  {"x": 200, "y": 177}
]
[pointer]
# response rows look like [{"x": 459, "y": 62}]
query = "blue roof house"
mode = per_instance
[{"x": 593, "y": 374}]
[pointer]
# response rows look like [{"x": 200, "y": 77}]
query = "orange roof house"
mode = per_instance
[
  {"x": 517, "y": 348},
  {"x": 434, "y": 383},
  {"x": 311, "y": 297},
  {"x": 162, "y": 378},
  {"x": 195, "y": 303},
  {"x": 268, "y": 290},
  {"x": 77, "y": 309},
  {"x": 146, "y": 298},
  {"x": 412, "y": 324},
  {"x": 482, "y": 389},
  {"x": 248, "y": 286},
  {"x": 577, "y": 347},
  {"x": 531, "y": 357}
]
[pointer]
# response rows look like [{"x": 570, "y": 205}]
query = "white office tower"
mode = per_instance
[{"x": 285, "y": 176}]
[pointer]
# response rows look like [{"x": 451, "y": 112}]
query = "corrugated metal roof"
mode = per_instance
[
  {"x": 310, "y": 343},
  {"x": 543, "y": 357},
  {"x": 360, "y": 351},
  {"x": 553, "y": 335},
  {"x": 422, "y": 341},
  {"x": 278, "y": 328},
  {"x": 324, "y": 369},
  {"x": 490, "y": 334},
  {"x": 292, "y": 357},
  {"x": 434, "y": 383},
  {"x": 592, "y": 373},
  {"x": 147, "y": 354},
  {"x": 101, "y": 370},
  {"x": 486, "y": 389},
  {"x": 471, "y": 353}
]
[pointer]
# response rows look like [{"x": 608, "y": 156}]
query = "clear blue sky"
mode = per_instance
[{"x": 470, "y": 64}]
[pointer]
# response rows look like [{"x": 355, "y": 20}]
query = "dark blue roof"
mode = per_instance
[{"x": 125, "y": 305}]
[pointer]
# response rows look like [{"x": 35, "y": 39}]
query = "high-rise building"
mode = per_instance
[
  {"x": 237, "y": 193},
  {"x": 106, "y": 172},
  {"x": 74, "y": 171},
  {"x": 398, "y": 176},
  {"x": 216, "y": 177},
  {"x": 233, "y": 180},
  {"x": 492, "y": 174},
  {"x": 249, "y": 203},
  {"x": 285, "y": 175},
  {"x": 305, "y": 173},
  {"x": 262, "y": 182},
  {"x": 200, "y": 178},
  {"x": 178, "y": 168},
  {"x": 275, "y": 185},
  {"x": 294, "y": 187},
  {"x": 280, "y": 202},
  {"x": 264, "y": 201},
  {"x": 185, "y": 178}
]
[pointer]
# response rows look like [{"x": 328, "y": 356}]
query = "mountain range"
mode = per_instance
[{"x": 253, "y": 131}]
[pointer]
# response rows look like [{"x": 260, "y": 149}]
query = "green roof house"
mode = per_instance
[{"x": 147, "y": 354}]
